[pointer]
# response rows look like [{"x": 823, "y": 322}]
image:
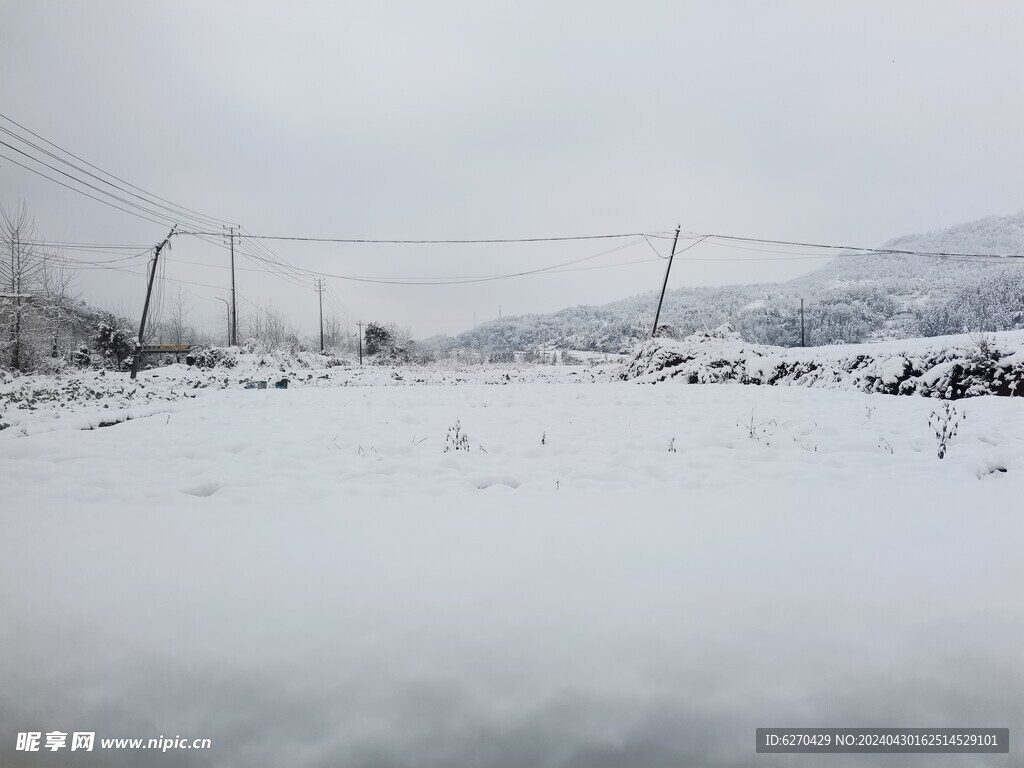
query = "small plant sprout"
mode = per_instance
[
  {"x": 757, "y": 431},
  {"x": 457, "y": 440},
  {"x": 945, "y": 422}
]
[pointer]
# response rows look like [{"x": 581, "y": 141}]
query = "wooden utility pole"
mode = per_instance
[
  {"x": 320, "y": 290},
  {"x": 137, "y": 357},
  {"x": 360, "y": 343},
  {"x": 801, "y": 322},
  {"x": 664, "y": 285},
  {"x": 234, "y": 305},
  {"x": 16, "y": 271}
]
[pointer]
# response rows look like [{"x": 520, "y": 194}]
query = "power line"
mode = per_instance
[
  {"x": 198, "y": 215},
  {"x": 181, "y": 212},
  {"x": 136, "y": 273},
  {"x": 366, "y": 241},
  {"x": 189, "y": 218},
  {"x": 466, "y": 279},
  {"x": 271, "y": 268},
  {"x": 697, "y": 236},
  {"x": 120, "y": 259},
  {"x": 86, "y": 194},
  {"x": 84, "y": 246},
  {"x": 262, "y": 266},
  {"x": 86, "y": 183},
  {"x": 885, "y": 251},
  {"x": 340, "y": 307}
]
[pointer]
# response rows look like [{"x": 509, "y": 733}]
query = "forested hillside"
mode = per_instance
[{"x": 852, "y": 298}]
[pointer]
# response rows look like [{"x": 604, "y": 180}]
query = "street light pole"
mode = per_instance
[{"x": 228, "y": 308}]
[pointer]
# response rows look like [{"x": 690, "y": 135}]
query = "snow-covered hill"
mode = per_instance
[
  {"x": 992, "y": 234},
  {"x": 851, "y": 298}
]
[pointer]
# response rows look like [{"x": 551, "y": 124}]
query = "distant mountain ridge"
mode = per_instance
[
  {"x": 852, "y": 298},
  {"x": 992, "y": 235}
]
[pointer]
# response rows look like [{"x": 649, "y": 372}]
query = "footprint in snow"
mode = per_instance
[{"x": 206, "y": 489}]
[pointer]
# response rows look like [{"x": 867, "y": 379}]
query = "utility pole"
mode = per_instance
[
  {"x": 227, "y": 309},
  {"x": 360, "y": 343},
  {"x": 320, "y": 290},
  {"x": 137, "y": 358},
  {"x": 664, "y": 285},
  {"x": 801, "y": 322},
  {"x": 474, "y": 319},
  {"x": 234, "y": 305},
  {"x": 499, "y": 313},
  {"x": 16, "y": 270}
]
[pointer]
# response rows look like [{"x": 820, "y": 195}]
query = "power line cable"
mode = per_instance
[
  {"x": 887, "y": 251},
  {"x": 84, "y": 246},
  {"x": 87, "y": 184},
  {"x": 79, "y": 191},
  {"x": 213, "y": 219},
  {"x": 366, "y": 241},
  {"x": 192, "y": 220},
  {"x": 339, "y": 306},
  {"x": 467, "y": 279}
]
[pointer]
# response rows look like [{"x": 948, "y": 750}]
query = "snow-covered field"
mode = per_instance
[
  {"x": 86, "y": 399},
  {"x": 612, "y": 575}
]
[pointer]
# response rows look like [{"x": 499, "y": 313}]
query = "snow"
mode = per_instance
[
  {"x": 613, "y": 574},
  {"x": 86, "y": 399},
  {"x": 949, "y": 367},
  {"x": 892, "y": 370}
]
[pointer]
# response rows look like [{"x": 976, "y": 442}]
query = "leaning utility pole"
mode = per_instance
[
  {"x": 360, "y": 343},
  {"x": 320, "y": 290},
  {"x": 234, "y": 306},
  {"x": 137, "y": 357},
  {"x": 664, "y": 285}
]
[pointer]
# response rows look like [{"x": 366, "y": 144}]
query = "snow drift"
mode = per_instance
[{"x": 949, "y": 367}]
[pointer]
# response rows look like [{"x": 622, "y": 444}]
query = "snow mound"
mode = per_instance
[{"x": 949, "y": 367}]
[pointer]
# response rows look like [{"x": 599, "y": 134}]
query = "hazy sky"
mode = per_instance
[{"x": 830, "y": 122}]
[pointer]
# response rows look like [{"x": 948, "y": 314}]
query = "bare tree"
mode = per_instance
[
  {"x": 22, "y": 260},
  {"x": 267, "y": 328},
  {"x": 177, "y": 321},
  {"x": 332, "y": 332},
  {"x": 58, "y": 288}
]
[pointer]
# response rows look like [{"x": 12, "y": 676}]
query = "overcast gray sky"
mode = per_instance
[{"x": 831, "y": 122}]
